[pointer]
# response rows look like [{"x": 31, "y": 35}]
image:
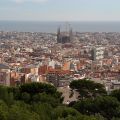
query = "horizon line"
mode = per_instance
[{"x": 60, "y": 21}]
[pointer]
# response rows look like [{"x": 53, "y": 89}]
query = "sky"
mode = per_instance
[{"x": 60, "y": 10}]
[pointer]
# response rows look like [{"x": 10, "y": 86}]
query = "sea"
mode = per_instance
[{"x": 52, "y": 26}]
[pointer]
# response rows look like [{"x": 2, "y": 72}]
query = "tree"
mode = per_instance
[
  {"x": 116, "y": 94},
  {"x": 6, "y": 96},
  {"x": 107, "y": 106},
  {"x": 25, "y": 97},
  {"x": 87, "y": 88},
  {"x": 22, "y": 111},
  {"x": 43, "y": 110},
  {"x": 38, "y": 91},
  {"x": 15, "y": 91},
  {"x": 34, "y": 88},
  {"x": 45, "y": 98},
  {"x": 67, "y": 113},
  {"x": 37, "y": 101},
  {"x": 3, "y": 111},
  {"x": 63, "y": 112}
]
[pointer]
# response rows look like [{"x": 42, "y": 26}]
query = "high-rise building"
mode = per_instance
[{"x": 97, "y": 53}]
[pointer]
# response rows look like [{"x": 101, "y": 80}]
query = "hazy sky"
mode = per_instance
[{"x": 60, "y": 10}]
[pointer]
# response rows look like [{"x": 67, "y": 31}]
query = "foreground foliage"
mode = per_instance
[
  {"x": 36, "y": 101},
  {"x": 39, "y": 101}
]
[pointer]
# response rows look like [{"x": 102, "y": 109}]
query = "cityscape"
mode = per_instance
[{"x": 58, "y": 58}]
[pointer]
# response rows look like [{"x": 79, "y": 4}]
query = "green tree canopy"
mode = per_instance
[
  {"x": 22, "y": 111},
  {"x": 116, "y": 94},
  {"x": 40, "y": 101},
  {"x": 34, "y": 88},
  {"x": 36, "y": 92},
  {"x": 68, "y": 113},
  {"x": 87, "y": 88},
  {"x": 3, "y": 110},
  {"x": 107, "y": 106}
]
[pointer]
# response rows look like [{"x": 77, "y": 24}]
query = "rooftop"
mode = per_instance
[{"x": 3, "y": 66}]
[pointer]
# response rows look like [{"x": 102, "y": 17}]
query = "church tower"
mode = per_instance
[
  {"x": 58, "y": 35},
  {"x": 71, "y": 34},
  {"x": 64, "y": 37}
]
